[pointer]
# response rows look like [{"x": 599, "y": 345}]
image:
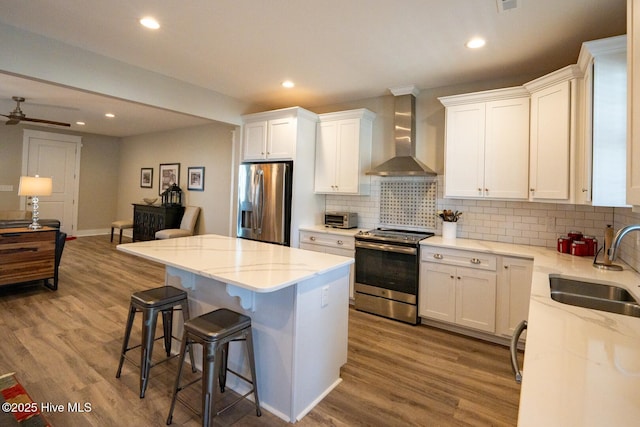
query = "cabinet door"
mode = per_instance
[
  {"x": 514, "y": 291},
  {"x": 348, "y": 155},
  {"x": 476, "y": 299},
  {"x": 281, "y": 138},
  {"x": 326, "y": 149},
  {"x": 506, "y": 152},
  {"x": 436, "y": 298},
  {"x": 254, "y": 141},
  {"x": 464, "y": 150},
  {"x": 633, "y": 111},
  {"x": 550, "y": 142}
]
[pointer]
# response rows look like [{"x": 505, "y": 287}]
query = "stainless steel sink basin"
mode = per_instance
[{"x": 596, "y": 296}]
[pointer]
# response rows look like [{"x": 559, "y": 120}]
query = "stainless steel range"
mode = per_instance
[{"x": 387, "y": 266}]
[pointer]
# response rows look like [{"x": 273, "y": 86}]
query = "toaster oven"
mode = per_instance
[{"x": 341, "y": 219}]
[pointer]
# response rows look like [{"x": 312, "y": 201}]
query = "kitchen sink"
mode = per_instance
[{"x": 597, "y": 296}]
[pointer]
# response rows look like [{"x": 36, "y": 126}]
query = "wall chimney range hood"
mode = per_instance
[{"x": 405, "y": 162}]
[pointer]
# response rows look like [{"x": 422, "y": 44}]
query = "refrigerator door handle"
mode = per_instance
[
  {"x": 514, "y": 350},
  {"x": 258, "y": 202}
]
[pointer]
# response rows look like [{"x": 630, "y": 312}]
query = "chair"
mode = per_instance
[
  {"x": 187, "y": 225},
  {"x": 214, "y": 331},
  {"x": 150, "y": 303},
  {"x": 121, "y": 225}
]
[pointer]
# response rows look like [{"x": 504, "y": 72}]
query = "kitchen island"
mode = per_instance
[{"x": 297, "y": 300}]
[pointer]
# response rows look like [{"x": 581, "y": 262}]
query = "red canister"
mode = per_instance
[
  {"x": 578, "y": 248},
  {"x": 575, "y": 235},
  {"x": 564, "y": 245},
  {"x": 592, "y": 245}
]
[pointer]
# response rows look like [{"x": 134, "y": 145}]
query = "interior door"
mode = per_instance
[{"x": 57, "y": 156}]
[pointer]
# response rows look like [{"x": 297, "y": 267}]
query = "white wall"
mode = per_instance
[{"x": 209, "y": 146}]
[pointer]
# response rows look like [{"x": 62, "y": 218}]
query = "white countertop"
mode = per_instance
[
  {"x": 331, "y": 230},
  {"x": 256, "y": 266},
  {"x": 581, "y": 366}
]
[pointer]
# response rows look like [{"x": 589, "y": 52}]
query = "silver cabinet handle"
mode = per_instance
[
  {"x": 312, "y": 238},
  {"x": 514, "y": 350},
  {"x": 475, "y": 261},
  {"x": 438, "y": 256},
  {"x": 584, "y": 190}
]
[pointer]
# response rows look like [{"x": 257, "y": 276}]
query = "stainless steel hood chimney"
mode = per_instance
[{"x": 404, "y": 163}]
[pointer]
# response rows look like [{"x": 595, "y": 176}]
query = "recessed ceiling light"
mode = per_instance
[
  {"x": 288, "y": 84},
  {"x": 475, "y": 43},
  {"x": 149, "y": 22},
  {"x": 80, "y": 123},
  {"x": 110, "y": 115}
]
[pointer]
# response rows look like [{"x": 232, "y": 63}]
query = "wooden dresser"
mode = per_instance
[
  {"x": 147, "y": 219},
  {"x": 28, "y": 255}
]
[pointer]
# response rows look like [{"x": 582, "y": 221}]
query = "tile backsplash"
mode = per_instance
[{"x": 413, "y": 202}]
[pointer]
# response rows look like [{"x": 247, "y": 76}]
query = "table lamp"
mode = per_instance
[{"x": 35, "y": 186}]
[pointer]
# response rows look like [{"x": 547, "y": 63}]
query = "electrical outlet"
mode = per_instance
[{"x": 325, "y": 296}]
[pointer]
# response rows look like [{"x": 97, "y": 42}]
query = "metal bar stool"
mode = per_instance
[
  {"x": 151, "y": 302},
  {"x": 214, "y": 331}
]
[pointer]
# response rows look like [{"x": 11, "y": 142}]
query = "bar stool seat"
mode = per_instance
[
  {"x": 121, "y": 225},
  {"x": 151, "y": 302},
  {"x": 214, "y": 331}
]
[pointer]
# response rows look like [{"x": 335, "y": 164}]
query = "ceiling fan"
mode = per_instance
[{"x": 17, "y": 116}]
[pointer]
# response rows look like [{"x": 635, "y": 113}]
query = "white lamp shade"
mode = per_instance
[{"x": 35, "y": 186}]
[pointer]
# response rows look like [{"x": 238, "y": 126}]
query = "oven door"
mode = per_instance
[{"x": 390, "y": 267}]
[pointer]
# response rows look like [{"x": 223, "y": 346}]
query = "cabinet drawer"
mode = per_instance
[
  {"x": 327, "y": 239},
  {"x": 460, "y": 258},
  {"x": 27, "y": 256}
]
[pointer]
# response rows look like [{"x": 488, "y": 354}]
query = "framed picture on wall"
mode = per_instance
[
  {"x": 195, "y": 178},
  {"x": 169, "y": 175},
  {"x": 146, "y": 177}
]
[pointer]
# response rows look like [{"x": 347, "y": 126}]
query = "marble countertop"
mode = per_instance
[
  {"x": 581, "y": 366},
  {"x": 255, "y": 266}
]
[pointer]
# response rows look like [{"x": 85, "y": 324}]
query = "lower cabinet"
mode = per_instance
[
  {"x": 474, "y": 290},
  {"x": 460, "y": 295},
  {"x": 514, "y": 289},
  {"x": 331, "y": 243}
]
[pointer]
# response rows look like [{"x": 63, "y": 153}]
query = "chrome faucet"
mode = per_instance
[{"x": 613, "y": 250}]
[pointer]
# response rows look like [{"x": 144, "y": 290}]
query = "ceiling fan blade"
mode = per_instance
[
  {"x": 29, "y": 119},
  {"x": 11, "y": 121}
]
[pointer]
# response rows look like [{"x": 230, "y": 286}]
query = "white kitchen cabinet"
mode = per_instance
[
  {"x": 343, "y": 152},
  {"x": 338, "y": 243},
  {"x": 449, "y": 292},
  {"x": 271, "y": 135},
  {"x": 514, "y": 290},
  {"x": 553, "y": 135},
  {"x": 633, "y": 104},
  {"x": 487, "y": 144},
  {"x": 602, "y": 155}
]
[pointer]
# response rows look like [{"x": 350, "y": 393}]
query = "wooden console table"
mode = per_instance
[
  {"x": 147, "y": 219},
  {"x": 28, "y": 255}
]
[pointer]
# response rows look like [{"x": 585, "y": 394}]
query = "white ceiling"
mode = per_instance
[{"x": 335, "y": 50}]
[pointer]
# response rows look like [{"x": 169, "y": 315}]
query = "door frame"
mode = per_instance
[{"x": 27, "y": 134}]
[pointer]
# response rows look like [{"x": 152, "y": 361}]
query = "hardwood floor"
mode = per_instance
[{"x": 64, "y": 347}]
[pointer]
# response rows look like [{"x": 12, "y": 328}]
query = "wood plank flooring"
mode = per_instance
[{"x": 64, "y": 347}]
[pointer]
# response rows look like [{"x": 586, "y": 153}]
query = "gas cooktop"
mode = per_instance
[{"x": 393, "y": 235}]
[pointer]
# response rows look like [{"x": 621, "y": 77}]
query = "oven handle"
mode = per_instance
[{"x": 387, "y": 248}]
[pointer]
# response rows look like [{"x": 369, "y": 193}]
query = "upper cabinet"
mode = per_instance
[
  {"x": 343, "y": 152},
  {"x": 602, "y": 157},
  {"x": 273, "y": 135},
  {"x": 487, "y": 144},
  {"x": 633, "y": 104},
  {"x": 554, "y": 114}
]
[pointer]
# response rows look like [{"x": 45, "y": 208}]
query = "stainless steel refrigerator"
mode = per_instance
[{"x": 264, "y": 202}]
